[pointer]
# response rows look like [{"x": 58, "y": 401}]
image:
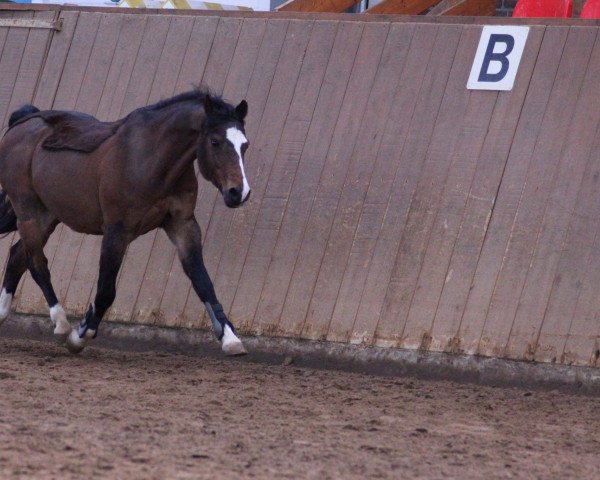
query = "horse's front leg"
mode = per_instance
[
  {"x": 185, "y": 235},
  {"x": 114, "y": 245}
]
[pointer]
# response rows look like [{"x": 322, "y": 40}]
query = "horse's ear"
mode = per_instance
[
  {"x": 208, "y": 105},
  {"x": 242, "y": 110}
]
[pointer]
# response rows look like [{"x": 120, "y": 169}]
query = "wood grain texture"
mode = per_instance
[
  {"x": 391, "y": 205},
  {"x": 519, "y": 300},
  {"x": 480, "y": 202},
  {"x": 408, "y": 256},
  {"x": 394, "y": 178},
  {"x": 401, "y": 7},
  {"x": 334, "y": 6},
  {"x": 492, "y": 257}
]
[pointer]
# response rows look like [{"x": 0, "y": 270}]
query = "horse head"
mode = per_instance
[{"x": 221, "y": 149}]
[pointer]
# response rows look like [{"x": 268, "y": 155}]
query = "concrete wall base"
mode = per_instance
[{"x": 328, "y": 355}]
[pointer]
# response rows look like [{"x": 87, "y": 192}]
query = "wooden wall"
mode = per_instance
[{"x": 391, "y": 206}]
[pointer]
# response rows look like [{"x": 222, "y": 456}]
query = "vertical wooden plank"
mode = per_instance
[
  {"x": 154, "y": 47},
  {"x": 55, "y": 61},
  {"x": 405, "y": 302},
  {"x": 444, "y": 216},
  {"x": 480, "y": 202},
  {"x": 197, "y": 53},
  {"x": 507, "y": 202},
  {"x": 425, "y": 195},
  {"x": 520, "y": 253},
  {"x": 265, "y": 140},
  {"x": 550, "y": 292},
  {"x": 330, "y": 293},
  {"x": 368, "y": 42},
  {"x": 163, "y": 254},
  {"x": 283, "y": 171},
  {"x": 236, "y": 83},
  {"x": 178, "y": 287},
  {"x": 33, "y": 59},
  {"x": 121, "y": 67},
  {"x": 77, "y": 61},
  {"x": 398, "y": 162},
  {"x": 92, "y": 89},
  {"x": 10, "y": 62},
  {"x": 582, "y": 344},
  {"x": 305, "y": 183}
]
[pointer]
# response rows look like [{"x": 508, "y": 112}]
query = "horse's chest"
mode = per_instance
[{"x": 153, "y": 217}]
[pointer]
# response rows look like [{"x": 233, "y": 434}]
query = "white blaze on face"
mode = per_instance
[{"x": 238, "y": 139}]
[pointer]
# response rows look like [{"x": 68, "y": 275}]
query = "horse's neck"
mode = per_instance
[{"x": 170, "y": 149}]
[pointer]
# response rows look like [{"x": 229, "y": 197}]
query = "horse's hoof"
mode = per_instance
[
  {"x": 234, "y": 349},
  {"x": 76, "y": 344},
  {"x": 62, "y": 328},
  {"x": 232, "y": 345}
]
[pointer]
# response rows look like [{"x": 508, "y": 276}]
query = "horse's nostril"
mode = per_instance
[{"x": 234, "y": 193}]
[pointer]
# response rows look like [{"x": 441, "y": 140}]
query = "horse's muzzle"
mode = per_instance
[{"x": 233, "y": 197}]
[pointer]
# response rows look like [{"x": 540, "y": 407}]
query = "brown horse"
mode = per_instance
[{"x": 119, "y": 180}]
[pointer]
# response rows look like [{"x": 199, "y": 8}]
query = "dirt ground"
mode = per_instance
[{"x": 112, "y": 414}]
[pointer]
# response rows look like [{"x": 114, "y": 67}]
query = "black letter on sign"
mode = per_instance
[{"x": 490, "y": 56}]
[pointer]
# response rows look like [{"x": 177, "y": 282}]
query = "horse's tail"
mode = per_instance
[
  {"x": 22, "y": 112},
  {"x": 8, "y": 219}
]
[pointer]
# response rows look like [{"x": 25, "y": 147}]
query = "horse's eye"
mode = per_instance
[{"x": 214, "y": 142}]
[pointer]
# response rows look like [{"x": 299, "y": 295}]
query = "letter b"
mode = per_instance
[{"x": 502, "y": 57}]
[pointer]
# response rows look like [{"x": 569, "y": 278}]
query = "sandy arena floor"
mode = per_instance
[{"x": 110, "y": 414}]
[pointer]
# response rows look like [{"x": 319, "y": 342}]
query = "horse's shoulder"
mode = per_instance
[{"x": 76, "y": 131}]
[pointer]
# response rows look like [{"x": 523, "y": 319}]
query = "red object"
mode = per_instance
[
  {"x": 544, "y": 8},
  {"x": 591, "y": 9}
]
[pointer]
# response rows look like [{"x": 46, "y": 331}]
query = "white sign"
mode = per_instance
[{"x": 498, "y": 56}]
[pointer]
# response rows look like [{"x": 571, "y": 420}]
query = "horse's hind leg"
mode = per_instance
[
  {"x": 114, "y": 245},
  {"x": 15, "y": 268},
  {"x": 34, "y": 234}
]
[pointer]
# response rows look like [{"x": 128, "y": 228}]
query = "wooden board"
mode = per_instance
[
  {"x": 303, "y": 189},
  {"x": 491, "y": 258},
  {"x": 480, "y": 202},
  {"x": 333, "y": 299},
  {"x": 261, "y": 159},
  {"x": 336, "y": 6},
  {"x": 558, "y": 262},
  {"x": 398, "y": 163},
  {"x": 390, "y": 206},
  {"x": 401, "y": 7},
  {"x": 289, "y": 151},
  {"x": 387, "y": 274},
  {"x": 514, "y": 291}
]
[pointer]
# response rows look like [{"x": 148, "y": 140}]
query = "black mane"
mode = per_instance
[{"x": 221, "y": 111}]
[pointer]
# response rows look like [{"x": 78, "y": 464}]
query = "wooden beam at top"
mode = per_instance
[
  {"x": 464, "y": 7},
  {"x": 333, "y": 6},
  {"x": 402, "y": 7}
]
